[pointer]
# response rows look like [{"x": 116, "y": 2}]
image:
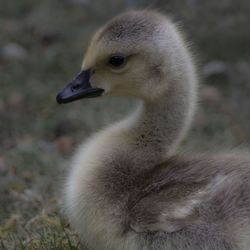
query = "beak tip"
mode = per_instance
[{"x": 59, "y": 98}]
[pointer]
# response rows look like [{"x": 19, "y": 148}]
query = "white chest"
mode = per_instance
[{"x": 91, "y": 214}]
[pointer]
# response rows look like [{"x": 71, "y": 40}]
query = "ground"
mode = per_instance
[{"x": 41, "y": 48}]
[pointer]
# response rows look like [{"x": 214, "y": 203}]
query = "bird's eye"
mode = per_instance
[{"x": 117, "y": 61}]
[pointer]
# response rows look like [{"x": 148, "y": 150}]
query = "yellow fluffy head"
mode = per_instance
[{"x": 135, "y": 54}]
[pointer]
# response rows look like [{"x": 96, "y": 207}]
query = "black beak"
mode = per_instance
[{"x": 78, "y": 88}]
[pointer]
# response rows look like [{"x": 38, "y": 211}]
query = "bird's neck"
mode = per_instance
[{"x": 157, "y": 127}]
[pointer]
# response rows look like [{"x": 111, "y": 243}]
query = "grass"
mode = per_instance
[{"x": 37, "y": 136}]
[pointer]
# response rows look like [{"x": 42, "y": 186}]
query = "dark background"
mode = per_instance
[{"x": 41, "y": 48}]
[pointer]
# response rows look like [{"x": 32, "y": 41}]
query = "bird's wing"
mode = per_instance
[{"x": 166, "y": 209}]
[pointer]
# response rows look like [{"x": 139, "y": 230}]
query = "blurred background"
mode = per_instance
[{"x": 41, "y": 48}]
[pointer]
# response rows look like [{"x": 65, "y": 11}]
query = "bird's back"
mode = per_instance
[{"x": 186, "y": 202}]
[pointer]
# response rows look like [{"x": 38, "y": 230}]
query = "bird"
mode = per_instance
[{"x": 128, "y": 186}]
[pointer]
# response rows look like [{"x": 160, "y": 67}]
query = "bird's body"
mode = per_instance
[
  {"x": 128, "y": 187},
  {"x": 185, "y": 202}
]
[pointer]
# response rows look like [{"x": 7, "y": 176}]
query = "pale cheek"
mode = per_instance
[
  {"x": 96, "y": 81},
  {"x": 107, "y": 88}
]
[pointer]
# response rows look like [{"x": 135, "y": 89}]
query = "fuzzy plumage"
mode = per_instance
[{"x": 128, "y": 188}]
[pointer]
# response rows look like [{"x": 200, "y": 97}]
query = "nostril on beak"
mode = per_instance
[{"x": 76, "y": 86}]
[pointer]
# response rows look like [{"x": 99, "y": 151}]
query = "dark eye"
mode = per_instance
[{"x": 117, "y": 61}]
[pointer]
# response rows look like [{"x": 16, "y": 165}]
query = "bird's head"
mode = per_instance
[{"x": 135, "y": 54}]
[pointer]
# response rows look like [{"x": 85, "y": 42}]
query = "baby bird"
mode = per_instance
[{"x": 128, "y": 188}]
